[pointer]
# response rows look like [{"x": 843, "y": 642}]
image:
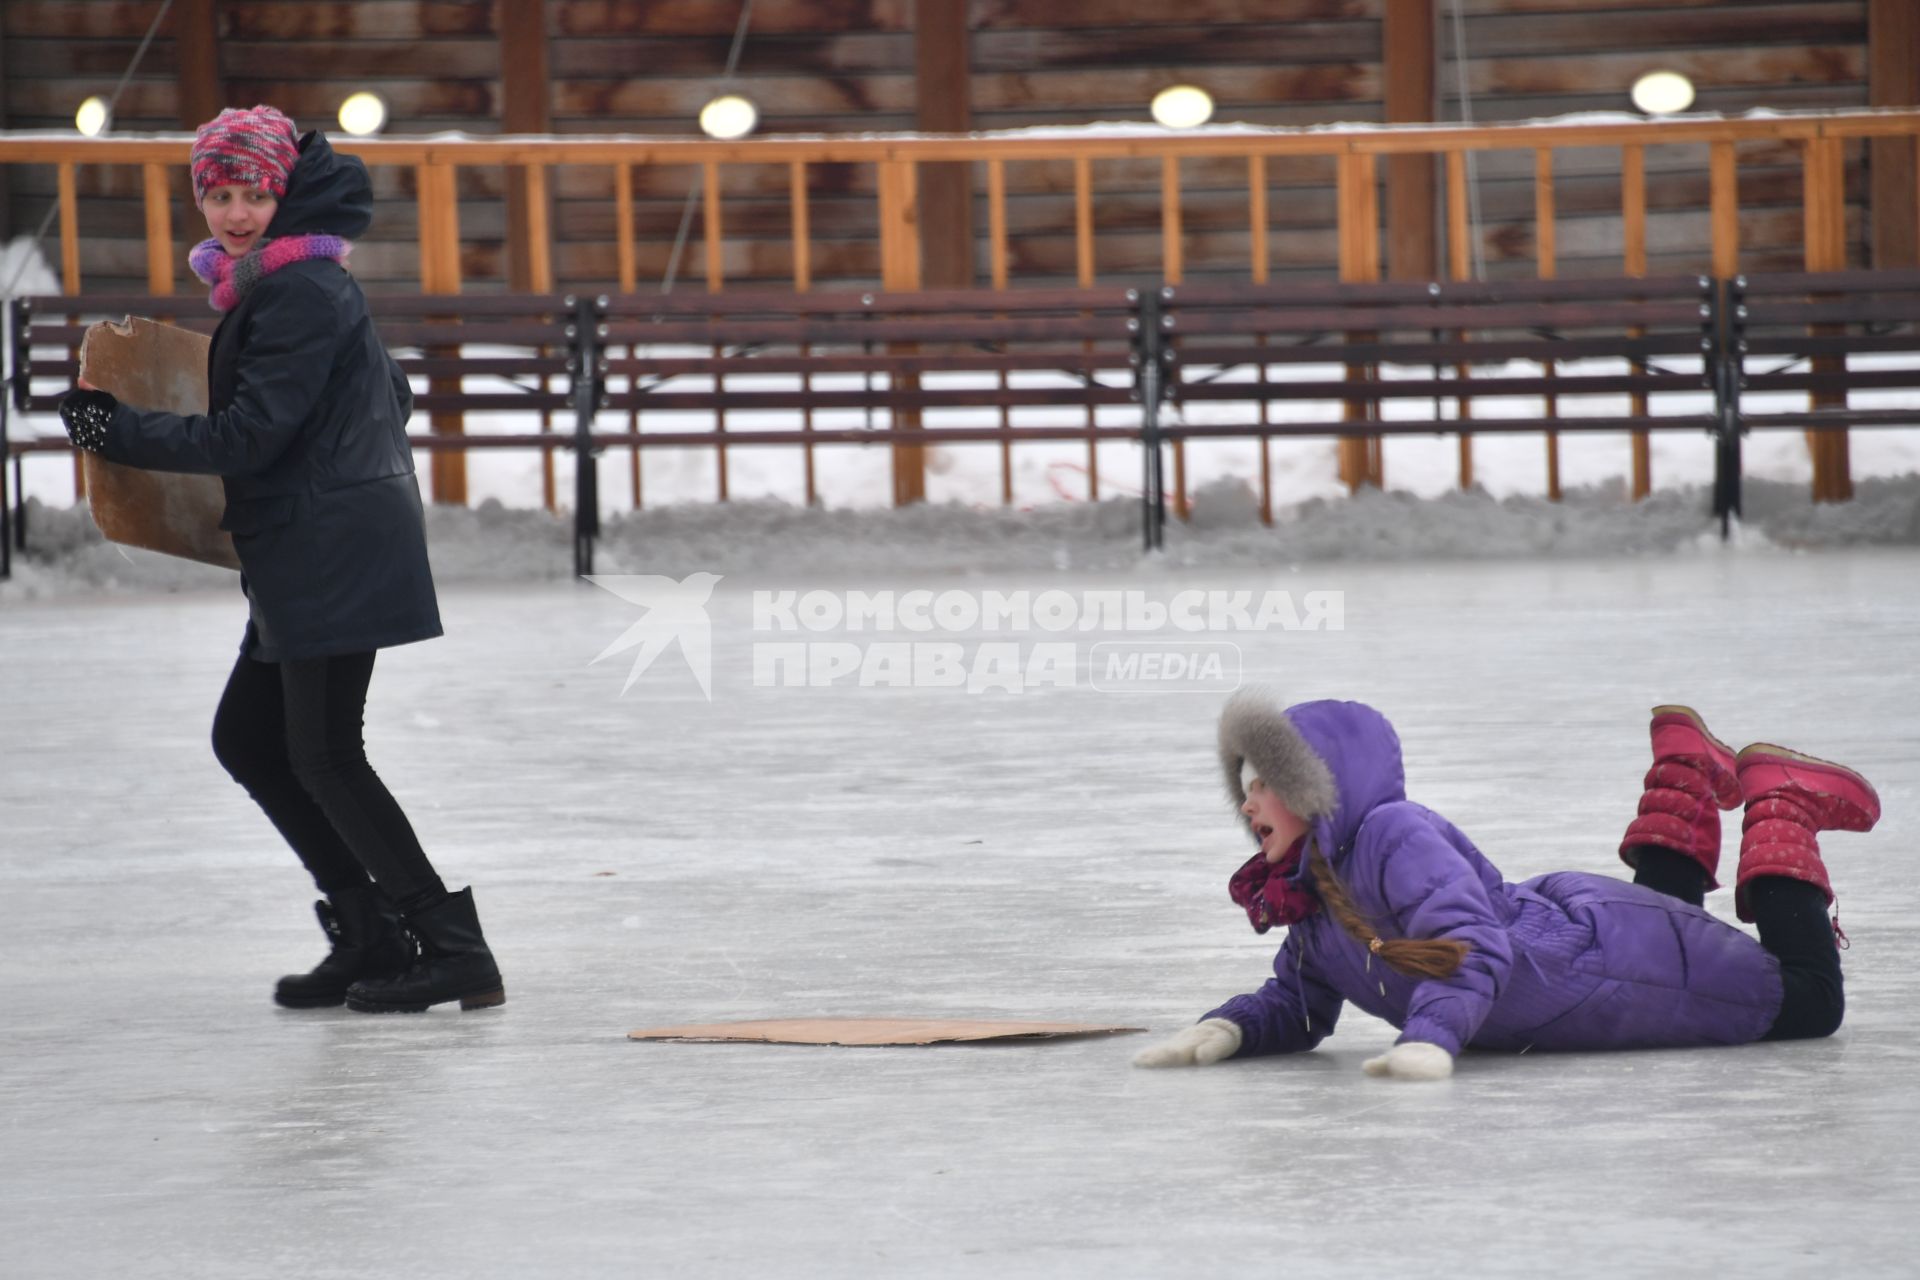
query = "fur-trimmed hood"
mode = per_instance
[{"x": 1332, "y": 763}]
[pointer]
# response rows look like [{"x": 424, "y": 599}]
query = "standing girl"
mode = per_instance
[
  {"x": 306, "y": 424},
  {"x": 1391, "y": 908}
]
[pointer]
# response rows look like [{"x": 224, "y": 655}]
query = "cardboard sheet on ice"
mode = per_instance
[
  {"x": 872, "y": 1031},
  {"x": 154, "y": 366}
]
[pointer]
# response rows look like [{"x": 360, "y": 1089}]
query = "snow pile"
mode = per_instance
[{"x": 492, "y": 543}]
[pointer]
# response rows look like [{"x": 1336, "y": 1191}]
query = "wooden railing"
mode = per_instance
[{"x": 1356, "y": 154}]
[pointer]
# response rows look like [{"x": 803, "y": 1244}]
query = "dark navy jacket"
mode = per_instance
[{"x": 307, "y": 427}]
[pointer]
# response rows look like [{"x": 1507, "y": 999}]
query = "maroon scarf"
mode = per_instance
[{"x": 1270, "y": 892}]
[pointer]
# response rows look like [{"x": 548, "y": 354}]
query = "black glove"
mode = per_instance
[{"x": 86, "y": 413}]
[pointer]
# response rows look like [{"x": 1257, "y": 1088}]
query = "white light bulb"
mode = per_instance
[
  {"x": 363, "y": 113},
  {"x": 1182, "y": 106},
  {"x": 93, "y": 117},
  {"x": 728, "y": 116},
  {"x": 1662, "y": 93}
]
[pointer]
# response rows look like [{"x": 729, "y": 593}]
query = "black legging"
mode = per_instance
[
  {"x": 290, "y": 733},
  {"x": 1792, "y": 918}
]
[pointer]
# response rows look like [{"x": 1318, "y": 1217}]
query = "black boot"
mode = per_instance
[
  {"x": 368, "y": 942},
  {"x": 454, "y": 964}
]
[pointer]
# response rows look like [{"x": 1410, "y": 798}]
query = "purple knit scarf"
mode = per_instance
[{"x": 233, "y": 278}]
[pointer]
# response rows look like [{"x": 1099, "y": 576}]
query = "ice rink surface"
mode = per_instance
[{"x": 1062, "y": 853}]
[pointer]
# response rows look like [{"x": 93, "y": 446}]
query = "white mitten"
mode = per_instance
[
  {"x": 1411, "y": 1060},
  {"x": 1203, "y": 1043}
]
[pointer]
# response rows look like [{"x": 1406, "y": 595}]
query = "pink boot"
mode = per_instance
[
  {"x": 1791, "y": 798},
  {"x": 1692, "y": 779}
]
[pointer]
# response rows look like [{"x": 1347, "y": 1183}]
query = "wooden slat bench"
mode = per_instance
[
  {"x": 1232, "y": 358},
  {"x": 1827, "y": 335}
]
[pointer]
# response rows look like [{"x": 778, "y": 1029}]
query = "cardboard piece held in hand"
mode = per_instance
[
  {"x": 154, "y": 366},
  {"x": 872, "y": 1031}
]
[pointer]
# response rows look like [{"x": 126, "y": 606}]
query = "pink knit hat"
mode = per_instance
[{"x": 255, "y": 148}]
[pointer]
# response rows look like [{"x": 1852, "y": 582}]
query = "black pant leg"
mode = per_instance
[
  {"x": 325, "y": 706},
  {"x": 250, "y": 741},
  {"x": 1674, "y": 874},
  {"x": 1792, "y": 917}
]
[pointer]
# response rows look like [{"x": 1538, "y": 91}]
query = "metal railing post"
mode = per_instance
[
  {"x": 584, "y": 335},
  {"x": 1730, "y": 303},
  {"x": 1148, "y": 387}
]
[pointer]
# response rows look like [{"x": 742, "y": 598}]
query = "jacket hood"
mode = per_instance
[
  {"x": 327, "y": 193},
  {"x": 1332, "y": 763}
]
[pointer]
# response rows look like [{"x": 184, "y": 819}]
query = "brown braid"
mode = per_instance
[{"x": 1409, "y": 957}]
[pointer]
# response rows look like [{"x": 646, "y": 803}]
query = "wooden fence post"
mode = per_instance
[
  {"x": 1824, "y": 195},
  {"x": 1360, "y": 456},
  {"x": 1547, "y": 265},
  {"x": 1633, "y": 214},
  {"x": 440, "y": 273},
  {"x": 900, "y": 269}
]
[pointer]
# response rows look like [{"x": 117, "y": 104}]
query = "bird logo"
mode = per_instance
[{"x": 675, "y": 611}]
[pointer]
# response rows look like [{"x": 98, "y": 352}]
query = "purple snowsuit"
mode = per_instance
[{"x": 1562, "y": 961}]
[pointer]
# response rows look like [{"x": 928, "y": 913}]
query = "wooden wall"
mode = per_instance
[
  {"x": 848, "y": 65},
  {"x": 1531, "y": 58}
]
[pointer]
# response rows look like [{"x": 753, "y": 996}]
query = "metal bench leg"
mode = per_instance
[{"x": 586, "y": 401}]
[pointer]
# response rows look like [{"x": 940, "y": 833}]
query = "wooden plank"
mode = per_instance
[
  {"x": 439, "y": 243},
  {"x": 1257, "y": 219},
  {"x": 1261, "y": 268},
  {"x": 797, "y": 204},
  {"x": 623, "y": 226},
  {"x": 1893, "y": 80},
  {"x": 1724, "y": 206},
  {"x": 535, "y": 251},
  {"x": 1170, "y": 226},
  {"x": 1083, "y": 220},
  {"x": 714, "y": 238},
  {"x": 1264, "y": 40},
  {"x": 1460, "y": 267},
  {"x": 1407, "y": 40},
  {"x": 1359, "y": 244},
  {"x": 1633, "y": 215},
  {"x": 69, "y": 231},
  {"x": 521, "y": 49},
  {"x": 941, "y": 81},
  {"x": 200, "y": 92},
  {"x": 900, "y": 270},
  {"x": 1018, "y": 14},
  {"x": 354, "y": 20},
  {"x": 1570, "y": 69},
  {"x": 997, "y": 222},
  {"x": 835, "y": 53},
  {"x": 159, "y": 228},
  {"x": 1083, "y": 272},
  {"x": 1503, "y": 33},
  {"x": 713, "y": 234},
  {"x": 1823, "y": 186},
  {"x": 702, "y": 17}
]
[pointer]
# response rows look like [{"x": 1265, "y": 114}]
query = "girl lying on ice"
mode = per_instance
[{"x": 1390, "y": 907}]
